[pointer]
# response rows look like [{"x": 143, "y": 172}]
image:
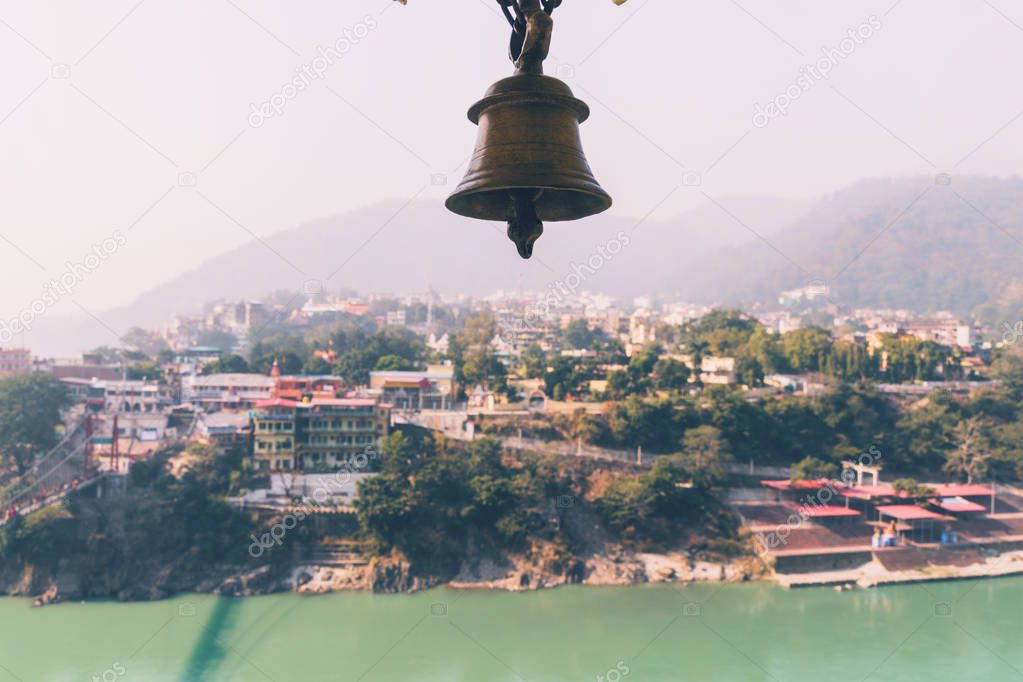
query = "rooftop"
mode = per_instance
[
  {"x": 786, "y": 484},
  {"x": 825, "y": 511},
  {"x": 908, "y": 512},
  {"x": 277, "y": 402},
  {"x": 433, "y": 373},
  {"x": 253, "y": 380},
  {"x": 869, "y": 492},
  {"x": 957, "y": 504}
]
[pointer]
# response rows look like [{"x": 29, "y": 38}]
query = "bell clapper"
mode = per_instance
[{"x": 524, "y": 225}]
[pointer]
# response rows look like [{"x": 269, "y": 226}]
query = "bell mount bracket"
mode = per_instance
[{"x": 513, "y": 12}]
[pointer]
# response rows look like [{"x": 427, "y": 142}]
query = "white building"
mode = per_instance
[
  {"x": 132, "y": 396},
  {"x": 226, "y": 391},
  {"x": 715, "y": 370}
]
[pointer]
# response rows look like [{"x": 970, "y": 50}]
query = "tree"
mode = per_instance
[
  {"x": 705, "y": 456},
  {"x": 805, "y": 349},
  {"x": 671, "y": 375},
  {"x": 432, "y": 504},
  {"x": 724, "y": 329},
  {"x": 813, "y": 469},
  {"x": 227, "y": 364},
  {"x": 316, "y": 365},
  {"x": 927, "y": 433},
  {"x": 649, "y": 424},
  {"x": 217, "y": 338},
  {"x": 534, "y": 361},
  {"x": 617, "y": 385},
  {"x": 30, "y": 411},
  {"x": 765, "y": 348},
  {"x": 698, "y": 347},
  {"x": 480, "y": 364},
  {"x": 972, "y": 453},
  {"x": 145, "y": 369},
  {"x": 749, "y": 370},
  {"x": 589, "y": 428},
  {"x": 579, "y": 335},
  {"x": 393, "y": 363},
  {"x": 912, "y": 487},
  {"x": 288, "y": 362},
  {"x": 1008, "y": 368},
  {"x": 360, "y": 353}
]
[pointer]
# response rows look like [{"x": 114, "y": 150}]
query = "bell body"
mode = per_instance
[{"x": 528, "y": 145}]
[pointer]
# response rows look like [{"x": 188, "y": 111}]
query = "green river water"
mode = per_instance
[{"x": 961, "y": 631}]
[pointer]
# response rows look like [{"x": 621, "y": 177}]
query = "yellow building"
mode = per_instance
[
  {"x": 321, "y": 433},
  {"x": 274, "y": 425}
]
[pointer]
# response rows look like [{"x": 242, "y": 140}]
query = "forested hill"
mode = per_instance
[{"x": 919, "y": 244}]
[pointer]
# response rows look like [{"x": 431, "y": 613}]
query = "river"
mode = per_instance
[{"x": 963, "y": 631}]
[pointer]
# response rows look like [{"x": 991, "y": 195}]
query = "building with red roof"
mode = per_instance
[
  {"x": 826, "y": 511},
  {"x": 916, "y": 523},
  {"x": 958, "y": 506},
  {"x": 316, "y": 433}
]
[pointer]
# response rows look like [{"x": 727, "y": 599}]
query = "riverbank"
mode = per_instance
[
  {"x": 624, "y": 569},
  {"x": 520, "y": 574},
  {"x": 513, "y": 574},
  {"x": 388, "y": 575},
  {"x": 875, "y": 574}
]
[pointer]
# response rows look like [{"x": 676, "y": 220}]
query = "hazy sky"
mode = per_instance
[{"x": 111, "y": 111}]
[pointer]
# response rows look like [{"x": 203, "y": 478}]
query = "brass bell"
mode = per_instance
[{"x": 529, "y": 165}]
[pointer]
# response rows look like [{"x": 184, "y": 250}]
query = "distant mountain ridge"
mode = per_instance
[
  {"x": 400, "y": 247},
  {"x": 912, "y": 243},
  {"x": 918, "y": 244}
]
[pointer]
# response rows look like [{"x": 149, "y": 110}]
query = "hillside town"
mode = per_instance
[
  {"x": 177, "y": 381},
  {"x": 297, "y": 389}
]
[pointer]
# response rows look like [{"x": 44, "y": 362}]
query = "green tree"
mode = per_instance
[
  {"x": 534, "y": 361},
  {"x": 479, "y": 364},
  {"x": 805, "y": 349},
  {"x": 579, "y": 335},
  {"x": 432, "y": 504},
  {"x": 394, "y": 363},
  {"x": 146, "y": 369},
  {"x": 1008, "y": 368},
  {"x": 927, "y": 433},
  {"x": 912, "y": 487},
  {"x": 765, "y": 348},
  {"x": 30, "y": 412},
  {"x": 315, "y": 365},
  {"x": 722, "y": 332},
  {"x": 650, "y": 424},
  {"x": 227, "y": 364},
  {"x": 969, "y": 458},
  {"x": 671, "y": 375},
  {"x": 617, "y": 385},
  {"x": 360, "y": 353},
  {"x": 813, "y": 469},
  {"x": 705, "y": 456}
]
